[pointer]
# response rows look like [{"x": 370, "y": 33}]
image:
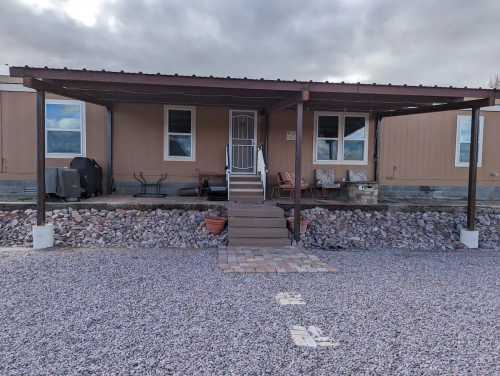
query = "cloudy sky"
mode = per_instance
[{"x": 431, "y": 42}]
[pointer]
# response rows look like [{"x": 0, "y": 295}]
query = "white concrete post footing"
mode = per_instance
[
  {"x": 469, "y": 238},
  {"x": 43, "y": 236}
]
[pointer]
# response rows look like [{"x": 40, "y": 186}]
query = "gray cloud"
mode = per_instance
[{"x": 446, "y": 42}]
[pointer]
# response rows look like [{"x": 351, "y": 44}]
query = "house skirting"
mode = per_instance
[
  {"x": 17, "y": 188},
  {"x": 22, "y": 188},
  {"x": 423, "y": 192}
]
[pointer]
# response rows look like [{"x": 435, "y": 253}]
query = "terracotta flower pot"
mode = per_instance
[
  {"x": 304, "y": 223},
  {"x": 215, "y": 225}
]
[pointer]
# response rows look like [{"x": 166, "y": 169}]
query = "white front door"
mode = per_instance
[{"x": 242, "y": 141}]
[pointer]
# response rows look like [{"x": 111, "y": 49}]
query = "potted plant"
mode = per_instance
[
  {"x": 304, "y": 224},
  {"x": 215, "y": 223}
]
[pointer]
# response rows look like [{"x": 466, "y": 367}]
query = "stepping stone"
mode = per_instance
[
  {"x": 301, "y": 337},
  {"x": 288, "y": 298},
  {"x": 319, "y": 338},
  {"x": 311, "y": 336}
]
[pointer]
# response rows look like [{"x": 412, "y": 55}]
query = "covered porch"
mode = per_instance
[{"x": 264, "y": 101}]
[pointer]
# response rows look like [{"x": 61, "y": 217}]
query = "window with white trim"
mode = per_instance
[
  {"x": 462, "y": 150},
  {"x": 340, "y": 138},
  {"x": 64, "y": 128},
  {"x": 180, "y": 126}
]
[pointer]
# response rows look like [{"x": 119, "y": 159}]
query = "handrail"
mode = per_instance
[
  {"x": 228, "y": 169},
  {"x": 228, "y": 161},
  {"x": 261, "y": 168}
]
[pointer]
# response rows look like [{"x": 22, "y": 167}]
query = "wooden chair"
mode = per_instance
[{"x": 286, "y": 183}]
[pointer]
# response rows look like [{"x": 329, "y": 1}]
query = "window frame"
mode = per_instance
[
  {"x": 83, "y": 129},
  {"x": 167, "y": 133},
  {"x": 458, "y": 163},
  {"x": 340, "y": 138}
]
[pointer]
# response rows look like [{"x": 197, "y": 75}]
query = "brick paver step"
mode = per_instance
[
  {"x": 256, "y": 222},
  {"x": 256, "y": 212},
  {"x": 259, "y": 242},
  {"x": 258, "y": 232}
]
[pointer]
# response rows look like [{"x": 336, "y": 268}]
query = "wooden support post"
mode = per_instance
[
  {"x": 265, "y": 119},
  {"x": 473, "y": 158},
  {"x": 298, "y": 171},
  {"x": 40, "y": 157},
  {"x": 376, "y": 149},
  {"x": 109, "y": 150}
]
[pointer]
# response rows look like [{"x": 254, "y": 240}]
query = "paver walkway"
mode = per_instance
[{"x": 270, "y": 260}]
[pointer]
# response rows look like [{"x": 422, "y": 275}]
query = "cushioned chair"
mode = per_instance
[
  {"x": 324, "y": 180},
  {"x": 357, "y": 176},
  {"x": 286, "y": 183}
]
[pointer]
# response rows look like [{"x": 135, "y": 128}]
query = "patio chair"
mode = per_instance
[
  {"x": 357, "y": 176},
  {"x": 324, "y": 180},
  {"x": 286, "y": 183}
]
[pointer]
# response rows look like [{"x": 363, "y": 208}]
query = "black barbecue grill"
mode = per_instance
[{"x": 90, "y": 175}]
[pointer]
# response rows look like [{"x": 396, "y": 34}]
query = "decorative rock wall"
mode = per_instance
[
  {"x": 339, "y": 229},
  {"x": 358, "y": 229},
  {"x": 121, "y": 228}
]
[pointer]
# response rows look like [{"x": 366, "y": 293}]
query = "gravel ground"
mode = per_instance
[{"x": 146, "y": 312}]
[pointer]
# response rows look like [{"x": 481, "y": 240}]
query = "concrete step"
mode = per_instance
[
  {"x": 247, "y": 200},
  {"x": 256, "y": 242},
  {"x": 256, "y": 222},
  {"x": 257, "y": 232},
  {"x": 246, "y": 182},
  {"x": 246, "y": 190},
  {"x": 237, "y": 178},
  {"x": 257, "y": 226},
  {"x": 245, "y": 185},
  {"x": 251, "y": 197}
]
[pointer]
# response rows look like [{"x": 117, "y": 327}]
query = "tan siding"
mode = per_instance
[
  {"x": 138, "y": 143},
  {"x": 422, "y": 149},
  {"x": 282, "y": 152},
  {"x": 1, "y": 134},
  {"x": 18, "y": 136}
]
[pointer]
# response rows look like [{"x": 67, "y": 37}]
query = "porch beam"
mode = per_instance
[
  {"x": 48, "y": 87},
  {"x": 241, "y": 83},
  {"x": 473, "y": 158},
  {"x": 382, "y": 102},
  {"x": 298, "y": 171},
  {"x": 149, "y": 89},
  {"x": 109, "y": 150},
  {"x": 293, "y": 100},
  {"x": 40, "y": 157},
  {"x": 484, "y": 102},
  {"x": 180, "y": 100}
]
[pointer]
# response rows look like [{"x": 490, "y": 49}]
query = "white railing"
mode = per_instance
[
  {"x": 261, "y": 168},
  {"x": 228, "y": 169}
]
